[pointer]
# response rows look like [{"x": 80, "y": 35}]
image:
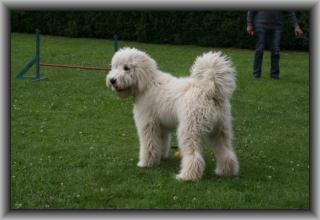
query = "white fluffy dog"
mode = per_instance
[{"x": 197, "y": 106}]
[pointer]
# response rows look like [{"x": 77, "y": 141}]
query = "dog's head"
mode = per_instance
[{"x": 131, "y": 72}]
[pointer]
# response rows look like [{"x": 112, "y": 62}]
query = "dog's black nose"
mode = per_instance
[{"x": 113, "y": 81}]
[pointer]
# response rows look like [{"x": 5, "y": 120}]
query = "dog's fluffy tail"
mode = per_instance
[{"x": 215, "y": 71}]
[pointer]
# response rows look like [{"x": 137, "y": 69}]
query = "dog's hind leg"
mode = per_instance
[
  {"x": 227, "y": 162},
  {"x": 192, "y": 164},
  {"x": 150, "y": 144},
  {"x": 165, "y": 143}
]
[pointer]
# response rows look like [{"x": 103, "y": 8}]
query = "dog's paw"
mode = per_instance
[
  {"x": 230, "y": 167},
  {"x": 181, "y": 177},
  {"x": 144, "y": 164},
  {"x": 226, "y": 172},
  {"x": 141, "y": 164}
]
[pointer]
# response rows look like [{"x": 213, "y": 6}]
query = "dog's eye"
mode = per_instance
[{"x": 126, "y": 68}]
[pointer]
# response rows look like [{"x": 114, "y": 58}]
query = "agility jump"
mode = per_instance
[{"x": 36, "y": 61}]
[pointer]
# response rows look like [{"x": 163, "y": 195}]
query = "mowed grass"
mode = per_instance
[{"x": 74, "y": 144}]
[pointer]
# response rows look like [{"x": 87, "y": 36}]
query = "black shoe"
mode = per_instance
[{"x": 256, "y": 77}]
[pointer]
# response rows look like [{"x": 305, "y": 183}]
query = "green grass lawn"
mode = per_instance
[{"x": 74, "y": 143}]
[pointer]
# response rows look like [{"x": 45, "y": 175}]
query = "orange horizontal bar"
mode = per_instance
[{"x": 75, "y": 67}]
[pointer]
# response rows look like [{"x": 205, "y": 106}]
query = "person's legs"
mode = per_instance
[
  {"x": 258, "y": 55},
  {"x": 275, "y": 54}
]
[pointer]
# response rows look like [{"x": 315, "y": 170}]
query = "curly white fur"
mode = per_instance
[{"x": 197, "y": 106}]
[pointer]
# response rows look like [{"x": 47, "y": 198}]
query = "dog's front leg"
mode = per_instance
[{"x": 150, "y": 144}]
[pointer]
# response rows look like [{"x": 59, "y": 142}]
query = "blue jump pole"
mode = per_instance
[
  {"x": 37, "y": 57},
  {"x": 37, "y": 54},
  {"x": 115, "y": 43},
  {"x": 34, "y": 61}
]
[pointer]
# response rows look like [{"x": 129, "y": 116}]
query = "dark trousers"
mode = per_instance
[{"x": 262, "y": 36}]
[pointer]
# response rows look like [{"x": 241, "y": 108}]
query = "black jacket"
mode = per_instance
[{"x": 270, "y": 19}]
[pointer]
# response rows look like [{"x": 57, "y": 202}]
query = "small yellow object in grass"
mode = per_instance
[{"x": 177, "y": 155}]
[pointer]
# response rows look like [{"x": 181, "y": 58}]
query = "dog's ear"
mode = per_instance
[
  {"x": 144, "y": 70},
  {"x": 141, "y": 77}
]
